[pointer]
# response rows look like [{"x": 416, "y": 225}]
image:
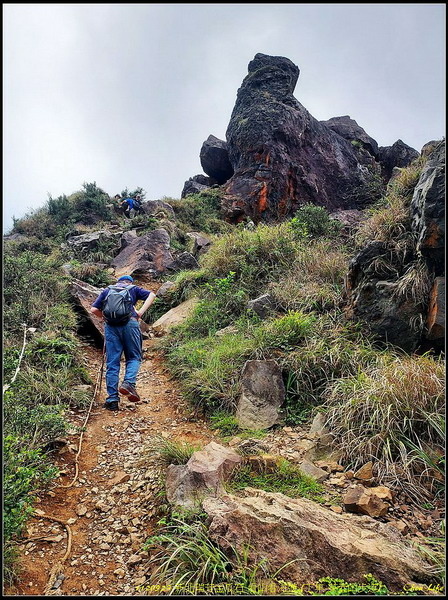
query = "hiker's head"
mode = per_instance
[
  {"x": 126, "y": 278},
  {"x": 138, "y": 197},
  {"x": 117, "y": 197}
]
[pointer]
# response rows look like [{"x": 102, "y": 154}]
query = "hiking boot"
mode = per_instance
[
  {"x": 111, "y": 405},
  {"x": 129, "y": 390}
]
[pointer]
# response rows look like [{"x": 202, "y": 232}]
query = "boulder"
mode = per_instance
[
  {"x": 196, "y": 185},
  {"x": 397, "y": 155},
  {"x": 202, "y": 476},
  {"x": 262, "y": 305},
  {"x": 282, "y": 156},
  {"x": 159, "y": 209},
  {"x": 316, "y": 541},
  {"x": 85, "y": 295},
  {"x": 149, "y": 254},
  {"x": 428, "y": 210},
  {"x": 350, "y": 130},
  {"x": 201, "y": 243},
  {"x": 183, "y": 261},
  {"x": 165, "y": 288},
  {"x": 263, "y": 393},
  {"x": 88, "y": 242},
  {"x": 365, "y": 473},
  {"x": 215, "y": 159},
  {"x": 127, "y": 238},
  {"x": 367, "y": 501},
  {"x": 174, "y": 316}
]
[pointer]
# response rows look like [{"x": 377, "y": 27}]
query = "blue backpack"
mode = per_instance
[{"x": 118, "y": 306}]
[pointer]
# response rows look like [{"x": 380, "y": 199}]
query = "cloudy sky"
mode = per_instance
[{"x": 125, "y": 94}]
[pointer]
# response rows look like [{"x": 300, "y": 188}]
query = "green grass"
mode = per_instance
[
  {"x": 288, "y": 480},
  {"x": 171, "y": 452}
]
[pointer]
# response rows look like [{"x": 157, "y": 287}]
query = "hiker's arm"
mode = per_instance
[{"x": 149, "y": 300}]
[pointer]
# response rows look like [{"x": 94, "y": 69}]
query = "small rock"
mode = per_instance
[
  {"x": 81, "y": 510},
  {"x": 365, "y": 472},
  {"x": 71, "y": 521},
  {"x": 119, "y": 573},
  {"x": 336, "y": 509},
  {"x": 134, "y": 559},
  {"x": 315, "y": 472}
]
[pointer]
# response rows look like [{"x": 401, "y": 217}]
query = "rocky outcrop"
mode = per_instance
[
  {"x": 88, "y": 242},
  {"x": 375, "y": 292},
  {"x": 316, "y": 541},
  {"x": 281, "y": 155},
  {"x": 174, "y": 316},
  {"x": 397, "y": 155},
  {"x": 428, "y": 210},
  {"x": 202, "y": 476},
  {"x": 149, "y": 254},
  {"x": 263, "y": 393},
  {"x": 377, "y": 300},
  {"x": 215, "y": 159},
  {"x": 197, "y": 184},
  {"x": 350, "y": 130}
]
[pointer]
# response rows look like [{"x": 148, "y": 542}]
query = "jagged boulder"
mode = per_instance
[
  {"x": 397, "y": 155},
  {"x": 149, "y": 254},
  {"x": 201, "y": 243},
  {"x": 282, "y": 156},
  {"x": 428, "y": 210},
  {"x": 316, "y": 541},
  {"x": 263, "y": 393},
  {"x": 215, "y": 159},
  {"x": 158, "y": 208},
  {"x": 203, "y": 475},
  {"x": 174, "y": 316},
  {"x": 372, "y": 501},
  {"x": 88, "y": 242},
  {"x": 262, "y": 305},
  {"x": 183, "y": 261},
  {"x": 350, "y": 130},
  {"x": 197, "y": 184}
]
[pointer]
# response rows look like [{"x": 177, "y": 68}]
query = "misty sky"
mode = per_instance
[{"x": 125, "y": 94}]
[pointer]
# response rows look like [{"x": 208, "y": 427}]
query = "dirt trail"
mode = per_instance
[{"x": 116, "y": 490}]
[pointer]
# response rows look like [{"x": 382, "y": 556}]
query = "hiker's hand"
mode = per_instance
[{"x": 139, "y": 316}]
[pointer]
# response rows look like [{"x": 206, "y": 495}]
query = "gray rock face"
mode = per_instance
[
  {"x": 262, "y": 305},
  {"x": 317, "y": 541},
  {"x": 148, "y": 254},
  {"x": 215, "y": 159},
  {"x": 436, "y": 312},
  {"x": 127, "y": 238},
  {"x": 397, "y": 155},
  {"x": 428, "y": 210},
  {"x": 196, "y": 184},
  {"x": 263, "y": 393},
  {"x": 350, "y": 130},
  {"x": 90, "y": 241},
  {"x": 281, "y": 155},
  {"x": 84, "y": 295},
  {"x": 158, "y": 208},
  {"x": 202, "y": 476}
]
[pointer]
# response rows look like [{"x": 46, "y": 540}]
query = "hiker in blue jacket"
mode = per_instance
[
  {"x": 131, "y": 206},
  {"x": 122, "y": 334}
]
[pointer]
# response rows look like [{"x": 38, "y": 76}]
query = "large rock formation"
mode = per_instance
[
  {"x": 215, "y": 159},
  {"x": 376, "y": 294},
  {"x": 282, "y": 156},
  {"x": 397, "y": 155},
  {"x": 196, "y": 185},
  {"x": 317, "y": 542},
  {"x": 428, "y": 210}
]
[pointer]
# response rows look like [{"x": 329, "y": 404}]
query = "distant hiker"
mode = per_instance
[
  {"x": 122, "y": 334},
  {"x": 132, "y": 206}
]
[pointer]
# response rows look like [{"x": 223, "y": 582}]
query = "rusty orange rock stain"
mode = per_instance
[{"x": 263, "y": 198}]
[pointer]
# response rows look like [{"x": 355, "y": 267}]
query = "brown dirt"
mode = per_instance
[{"x": 112, "y": 443}]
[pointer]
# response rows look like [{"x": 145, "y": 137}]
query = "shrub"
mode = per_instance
[
  {"x": 171, "y": 452},
  {"x": 384, "y": 413},
  {"x": 314, "y": 221},
  {"x": 200, "y": 212}
]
